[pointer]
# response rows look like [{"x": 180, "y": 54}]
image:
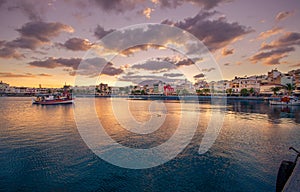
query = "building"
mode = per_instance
[
  {"x": 296, "y": 75},
  {"x": 274, "y": 77},
  {"x": 168, "y": 90},
  {"x": 3, "y": 87}
]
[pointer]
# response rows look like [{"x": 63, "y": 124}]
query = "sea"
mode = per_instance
[{"x": 44, "y": 148}]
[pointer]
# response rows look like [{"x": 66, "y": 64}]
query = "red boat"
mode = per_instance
[{"x": 52, "y": 100}]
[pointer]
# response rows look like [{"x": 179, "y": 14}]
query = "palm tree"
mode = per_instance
[
  {"x": 244, "y": 92},
  {"x": 251, "y": 91},
  {"x": 275, "y": 90},
  {"x": 229, "y": 91},
  {"x": 289, "y": 87}
]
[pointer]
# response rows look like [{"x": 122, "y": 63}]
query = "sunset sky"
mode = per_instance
[{"x": 43, "y": 42}]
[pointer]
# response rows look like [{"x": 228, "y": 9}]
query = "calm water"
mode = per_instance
[{"x": 41, "y": 149}]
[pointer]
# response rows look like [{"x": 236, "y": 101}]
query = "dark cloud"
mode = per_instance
[
  {"x": 226, "y": 51},
  {"x": 287, "y": 39},
  {"x": 15, "y": 75},
  {"x": 283, "y": 15},
  {"x": 209, "y": 69},
  {"x": 43, "y": 31},
  {"x": 88, "y": 67},
  {"x": 206, "y": 4},
  {"x": 120, "y": 6},
  {"x": 77, "y": 44},
  {"x": 173, "y": 75},
  {"x": 57, "y": 62},
  {"x": 25, "y": 43},
  {"x": 31, "y": 9},
  {"x": 272, "y": 57},
  {"x": 201, "y": 75},
  {"x": 101, "y": 32},
  {"x": 145, "y": 47},
  {"x": 110, "y": 70},
  {"x": 214, "y": 33},
  {"x": 163, "y": 64},
  {"x": 155, "y": 65},
  {"x": 8, "y": 53},
  {"x": 93, "y": 67}
]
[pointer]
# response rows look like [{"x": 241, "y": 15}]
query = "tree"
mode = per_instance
[
  {"x": 199, "y": 92},
  {"x": 251, "y": 91},
  {"x": 206, "y": 91},
  {"x": 244, "y": 92},
  {"x": 289, "y": 87},
  {"x": 275, "y": 90},
  {"x": 229, "y": 91}
]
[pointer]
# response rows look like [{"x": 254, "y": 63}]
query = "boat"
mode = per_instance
[
  {"x": 286, "y": 100},
  {"x": 52, "y": 100}
]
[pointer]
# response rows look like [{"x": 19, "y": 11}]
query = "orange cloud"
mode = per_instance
[{"x": 147, "y": 12}]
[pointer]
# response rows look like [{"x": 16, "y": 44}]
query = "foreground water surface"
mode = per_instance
[{"x": 42, "y": 150}]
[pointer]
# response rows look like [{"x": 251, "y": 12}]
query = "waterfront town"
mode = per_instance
[{"x": 272, "y": 83}]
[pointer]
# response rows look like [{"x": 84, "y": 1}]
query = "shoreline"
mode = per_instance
[{"x": 163, "y": 97}]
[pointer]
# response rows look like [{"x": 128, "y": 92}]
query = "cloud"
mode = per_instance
[
  {"x": 92, "y": 67},
  {"x": 8, "y": 53},
  {"x": 163, "y": 64},
  {"x": 101, "y": 32},
  {"x": 121, "y": 6},
  {"x": 32, "y": 35},
  {"x": 206, "y": 4},
  {"x": 144, "y": 47},
  {"x": 269, "y": 33},
  {"x": 287, "y": 39},
  {"x": 173, "y": 75},
  {"x": 52, "y": 63},
  {"x": 295, "y": 65},
  {"x": 15, "y": 75},
  {"x": 226, "y": 51},
  {"x": 214, "y": 33},
  {"x": 43, "y": 31},
  {"x": 77, "y": 44},
  {"x": 25, "y": 43},
  {"x": 118, "y": 6},
  {"x": 201, "y": 75},
  {"x": 180, "y": 61},
  {"x": 31, "y": 9},
  {"x": 209, "y": 69},
  {"x": 272, "y": 57},
  {"x": 88, "y": 67},
  {"x": 147, "y": 12},
  {"x": 283, "y": 15},
  {"x": 155, "y": 65}
]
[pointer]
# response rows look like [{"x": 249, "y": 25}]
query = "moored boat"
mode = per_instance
[
  {"x": 52, "y": 100},
  {"x": 286, "y": 100}
]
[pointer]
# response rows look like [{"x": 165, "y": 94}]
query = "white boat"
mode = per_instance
[
  {"x": 286, "y": 100},
  {"x": 52, "y": 100}
]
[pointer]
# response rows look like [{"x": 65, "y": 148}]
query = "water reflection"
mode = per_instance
[
  {"x": 41, "y": 149},
  {"x": 275, "y": 113}
]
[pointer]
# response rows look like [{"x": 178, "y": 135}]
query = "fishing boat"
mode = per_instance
[
  {"x": 52, "y": 100},
  {"x": 286, "y": 100}
]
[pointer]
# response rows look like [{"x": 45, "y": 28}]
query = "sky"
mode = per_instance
[{"x": 123, "y": 42}]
